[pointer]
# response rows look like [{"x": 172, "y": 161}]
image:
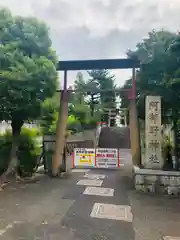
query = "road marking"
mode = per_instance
[
  {"x": 171, "y": 238},
  {"x": 9, "y": 226},
  {"x": 90, "y": 182},
  {"x": 98, "y": 191},
  {"x": 113, "y": 212},
  {"x": 3, "y": 231},
  {"x": 80, "y": 170},
  {"x": 94, "y": 176}
]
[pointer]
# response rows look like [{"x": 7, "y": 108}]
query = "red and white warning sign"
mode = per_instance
[{"x": 107, "y": 158}]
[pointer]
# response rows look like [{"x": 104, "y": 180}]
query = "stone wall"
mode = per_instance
[
  {"x": 83, "y": 136},
  {"x": 157, "y": 181}
]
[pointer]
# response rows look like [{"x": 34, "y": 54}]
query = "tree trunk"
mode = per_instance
[
  {"x": 16, "y": 129},
  {"x": 57, "y": 159}
]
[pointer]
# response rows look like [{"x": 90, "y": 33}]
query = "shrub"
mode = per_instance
[
  {"x": 5, "y": 149},
  {"x": 27, "y": 154},
  {"x": 74, "y": 124},
  {"x": 90, "y": 124},
  {"x": 36, "y": 131},
  {"x": 28, "y": 151},
  {"x": 49, "y": 116}
]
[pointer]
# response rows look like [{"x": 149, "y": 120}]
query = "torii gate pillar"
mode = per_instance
[{"x": 134, "y": 125}]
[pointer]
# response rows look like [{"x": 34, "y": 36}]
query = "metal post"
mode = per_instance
[
  {"x": 61, "y": 129},
  {"x": 134, "y": 125}
]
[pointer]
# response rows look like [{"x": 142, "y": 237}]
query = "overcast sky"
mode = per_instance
[{"x": 88, "y": 29}]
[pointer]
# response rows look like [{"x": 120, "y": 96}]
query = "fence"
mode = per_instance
[{"x": 49, "y": 143}]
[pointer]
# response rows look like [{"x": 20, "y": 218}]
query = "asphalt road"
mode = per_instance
[{"x": 57, "y": 209}]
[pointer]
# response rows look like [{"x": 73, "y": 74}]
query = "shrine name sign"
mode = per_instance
[{"x": 153, "y": 158}]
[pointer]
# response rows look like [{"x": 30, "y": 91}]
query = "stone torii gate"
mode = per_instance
[{"x": 78, "y": 65}]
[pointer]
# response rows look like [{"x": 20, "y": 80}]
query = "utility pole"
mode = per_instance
[
  {"x": 134, "y": 125},
  {"x": 61, "y": 130}
]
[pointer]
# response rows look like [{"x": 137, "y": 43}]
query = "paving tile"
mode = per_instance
[
  {"x": 90, "y": 182},
  {"x": 99, "y": 191},
  {"x": 111, "y": 211},
  {"x": 80, "y": 170},
  {"x": 94, "y": 176}
]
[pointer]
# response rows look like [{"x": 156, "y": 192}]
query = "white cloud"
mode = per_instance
[{"x": 99, "y": 28}]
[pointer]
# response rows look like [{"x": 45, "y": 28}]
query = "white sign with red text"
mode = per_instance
[{"x": 107, "y": 158}]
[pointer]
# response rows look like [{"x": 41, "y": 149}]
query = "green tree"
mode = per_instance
[
  {"x": 92, "y": 92},
  {"x": 27, "y": 70},
  {"x": 104, "y": 80},
  {"x": 86, "y": 93},
  {"x": 49, "y": 110},
  {"x": 155, "y": 73},
  {"x": 88, "y": 104},
  {"x": 79, "y": 87},
  {"x": 159, "y": 75}
]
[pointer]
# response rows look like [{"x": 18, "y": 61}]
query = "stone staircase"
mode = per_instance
[{"x": 115, "y": 137}]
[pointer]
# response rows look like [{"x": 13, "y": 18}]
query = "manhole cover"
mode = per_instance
[
  {"x": 109, "y": 192},
  {"x": 90, "y": 182},
  {"x": 80, "y": 170},
  {"x": 113, "y": 212},
  {"x": 94, "y": 176}
]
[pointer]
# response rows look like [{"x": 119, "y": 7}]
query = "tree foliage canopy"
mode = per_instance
[
  {"x": 27, "y": 67},
  {"x": 88, "y": 102},
  {"x": 159, "y": 73},
  {"x": 27, "y": 72}
]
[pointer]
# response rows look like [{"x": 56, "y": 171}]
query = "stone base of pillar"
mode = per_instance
[{"x": 157, "y": 181}]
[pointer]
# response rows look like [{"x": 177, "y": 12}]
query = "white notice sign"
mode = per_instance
[{"x": 107, "y": 158}]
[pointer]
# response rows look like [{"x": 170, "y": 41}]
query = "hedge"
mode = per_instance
[{"x": 27, "y": 153}]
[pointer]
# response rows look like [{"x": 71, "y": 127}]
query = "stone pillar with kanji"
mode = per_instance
[{"x": 153, "y": 157}]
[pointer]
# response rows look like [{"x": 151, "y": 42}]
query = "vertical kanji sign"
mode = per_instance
[{"x": 153, "y": 157}]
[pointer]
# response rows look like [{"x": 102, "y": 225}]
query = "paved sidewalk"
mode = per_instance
[
  {"x": 57, "y": 209},
  {"x": 102, "y": 227}
]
